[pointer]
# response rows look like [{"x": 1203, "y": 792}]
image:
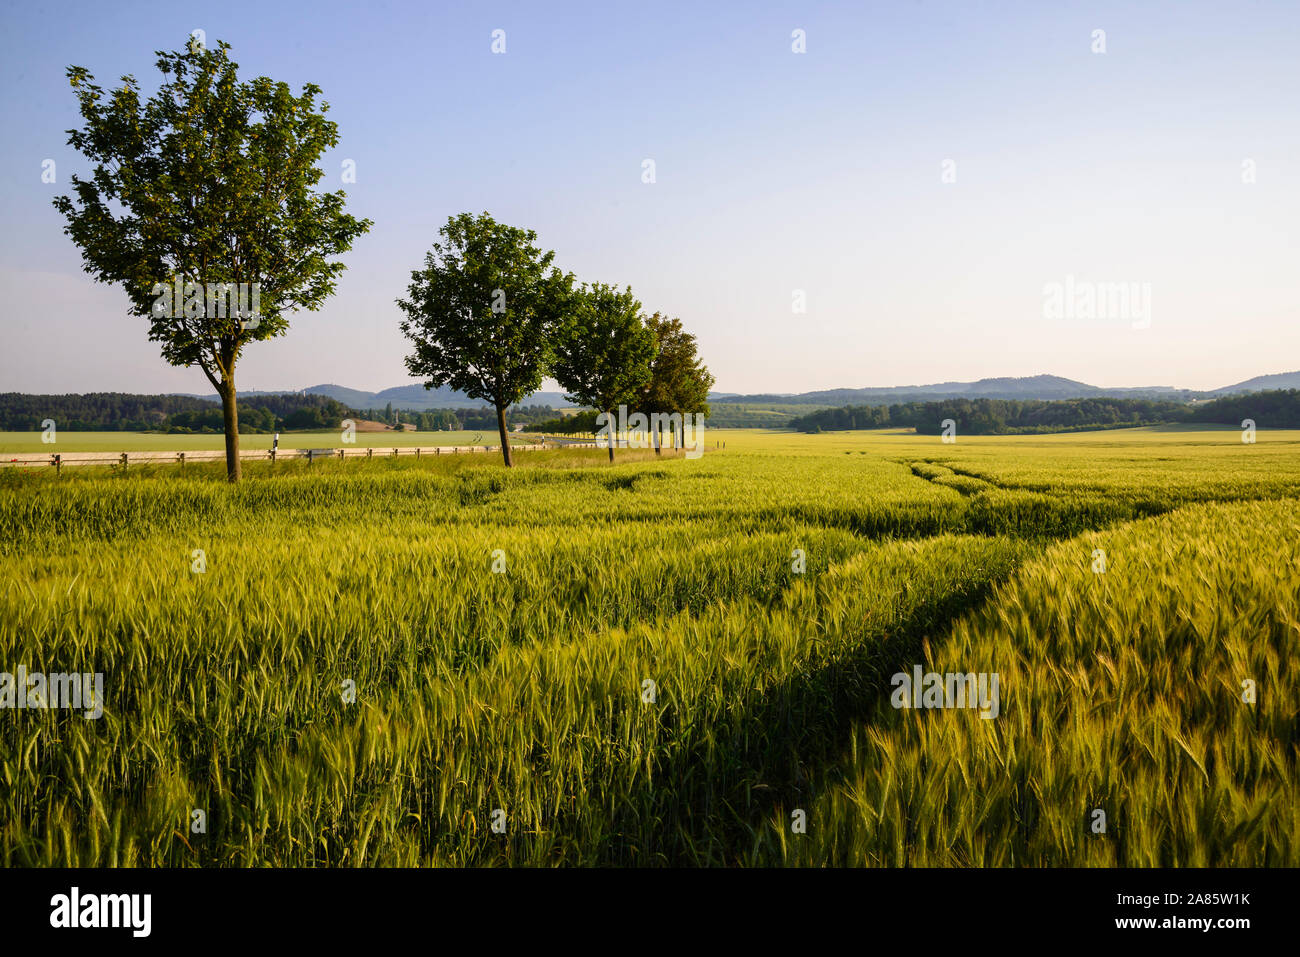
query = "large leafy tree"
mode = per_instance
[
  {"x": 483, "y": 311},
  {"x": 679, "y": 381},
  {"x": 604, "y": 350},
  {"x": 208, "y": 182}
]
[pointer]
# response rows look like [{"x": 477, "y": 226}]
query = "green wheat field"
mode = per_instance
[{"x": 666, "y": 661}]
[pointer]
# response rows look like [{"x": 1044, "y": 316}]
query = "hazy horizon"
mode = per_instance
[
  {"x": 550, "y": 385},
  {"x": 776, "y": 171}
]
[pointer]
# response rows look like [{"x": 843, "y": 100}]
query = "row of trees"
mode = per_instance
[
  {"x": 440, "y": 420},
  {"x": 491, "y": 316},
  {"x": 210, "y": 181}
]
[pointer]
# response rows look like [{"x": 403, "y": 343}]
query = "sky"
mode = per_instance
[{"x": 897, "y": 204}]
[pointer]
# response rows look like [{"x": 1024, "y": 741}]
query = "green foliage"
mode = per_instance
[
  {"x": 584, "y": 422},
  {"x": 679, "y": 381},
  {"x": 437, "y": 420},
  {"x": 94, "y": 411},
  {"x": 114, "y": 411},
  {"x": 604, "y": 350},
  {"x": 320, "y": 411},
  {"x": 1274, "y": 409},
  {"x": 1278, "y": 409},
  {"x": 211, "y": 420},
  {"x": 306, "y": 419},
  {"x": 210, "y": 181},
  {"x": 482, "y": 312}
]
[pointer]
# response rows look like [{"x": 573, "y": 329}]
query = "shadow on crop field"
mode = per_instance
[
  {"x": 724, "y": 781},
  {"x": 473, "y": 488},
  {"x": 630, "y": 481},
  {"x": 1028, "y": 515},
  {"x": 1122, "y": 693}
]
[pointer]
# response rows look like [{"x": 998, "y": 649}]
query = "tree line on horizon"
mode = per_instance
[
  {"x": 295, "y": 411},
  {"x": 1280, "y": 409},
  {"x": 265, "y": 413},
  {"x": 128, "y": 412},
  {"x": 210, "y": 182}
]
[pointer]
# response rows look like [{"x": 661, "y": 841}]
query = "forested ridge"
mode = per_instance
[
  {"x": 1278, "y": 409},
  {"x": 127, "y": 412}
]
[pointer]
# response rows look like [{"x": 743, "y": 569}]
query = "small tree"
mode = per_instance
[
  {"x": 482, "y": 313},
  {"x": 204, "y": 191},
  {"x": 604, "y": 350},
  {"x": 679, "y": 381}
]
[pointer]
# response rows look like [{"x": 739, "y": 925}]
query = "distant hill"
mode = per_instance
[
  {"x": 418, "y": 398},
  {"x": 1028, "y": 387},
  {"x": 1044, "y": 387},
  {"x": 1279, "y": 380},
  {"x": 403, "y": 397}
]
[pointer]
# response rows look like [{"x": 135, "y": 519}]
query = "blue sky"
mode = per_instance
[{"x": 775, "y": 172}]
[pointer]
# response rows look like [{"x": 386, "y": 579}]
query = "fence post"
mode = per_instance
[
  {"x": 58, "y": 463},
  {"x": 394, "y": 453},
  {"x": 417, "y": 451},
  {"x": 370, "y": 453},
  {"x": 272, "y": 456},
  {"x": 180, "y": 457},
  {"x": 124, "y": 462}
]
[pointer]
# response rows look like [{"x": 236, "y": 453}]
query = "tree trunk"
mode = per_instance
[
  {"x": 505, "y": 435},
  {"x": 613, "y": 435},
  {"x": 231, "y": 416},
  {"x": 659, "y": 439}
]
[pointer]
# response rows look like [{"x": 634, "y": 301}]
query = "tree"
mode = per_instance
[
  {"x": 482, "y": 313},
  {"x": 604, "y": 351},
  {"x": 679, "y": 381},
  {"x": 208, "y": 184}
]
